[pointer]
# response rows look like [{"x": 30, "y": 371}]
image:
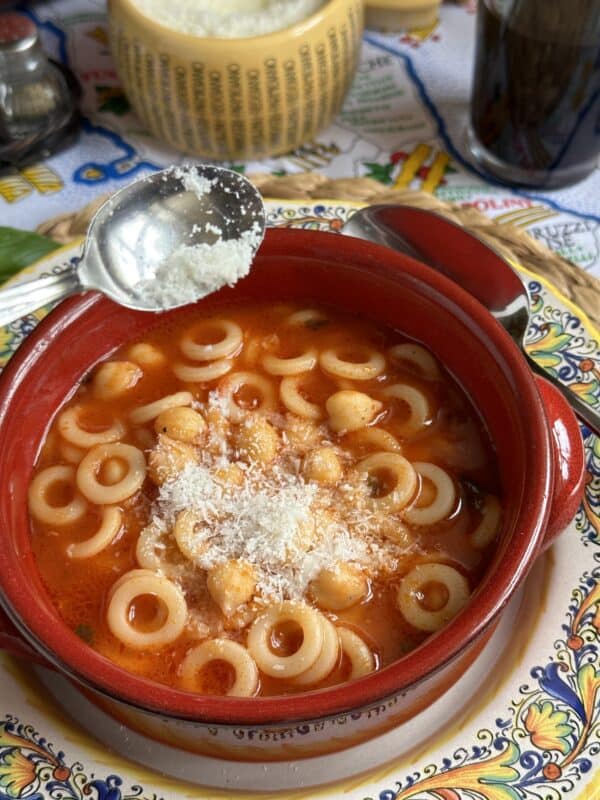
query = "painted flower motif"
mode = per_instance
[
  {"x": 536, "y": 303},
  {"x": 588, "y": 680},
  {"x": 588, "y": 391},
  {"x": 17, "y": 772},
  {"x": 6, "y": 344},
  {"x": 549, "y": 729},
  {"x": 546, "y": 350}
]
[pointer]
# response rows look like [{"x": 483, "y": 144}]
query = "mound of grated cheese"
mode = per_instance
[
  {"x": 277, "y": 522},
  {"x": 194, "y": 271}
]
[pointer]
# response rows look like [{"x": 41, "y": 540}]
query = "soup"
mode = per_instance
[{"x": 263, "y": 501}]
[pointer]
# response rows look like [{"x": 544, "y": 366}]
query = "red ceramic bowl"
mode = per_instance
[{"x": 535, "y": 434}]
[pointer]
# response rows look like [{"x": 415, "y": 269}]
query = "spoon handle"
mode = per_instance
[
  {"x": 588, "y": 415},
  {"x": 17, "y": 301}
]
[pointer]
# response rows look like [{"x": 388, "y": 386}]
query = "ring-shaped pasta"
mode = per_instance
[
  {"x": 203, "y": 374},
  {"x": 184, "y": 532},
  {"x": 290, "y": 366},
  {"x": 235, "y": 654},
  {"x": 110, "y": 525},
  {"x": 326, "y": 660},
  {"x": 96, "y": 492},
  {"x": 134, "y": 584},
  {"x": 417, "y": 403},
  {"x": 224, "y": 348},
  {"x": 410, "y": 591},
  {"x": 443, "y": 501},
  {"x": 375, "y": 439},
  {"x": 151, "y": 410},
  {"x": 308, "y": 317},
  {"x": 373, "y": 366},
  {"x": 133, "y": 573},
  {"x": 292, "y": 399},
  {"x": 418, "y": 356},
  {"x": 148, "y": 546},
  {"x": 405, "y": 476},
  {"x": 259, "y": 635},
  {"x": 69, "y": 429},
  {"x": 358, "y": 653},
  {"x": 151, "y": 553},
  {"x": 144, "y": 438},
  {"x": 234, "y": 382},
  {"x": 41, "y": 508},
  {"x": 71, "y": 453},
  {"x": 489, "y": 523}
]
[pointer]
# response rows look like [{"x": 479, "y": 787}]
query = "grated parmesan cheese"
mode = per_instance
[
  {"x": 288, "y": 528},
  {"x": 232, "y": 18},
  {"x": 273, "y": 522},
  {"x": 194, "y": 271}
]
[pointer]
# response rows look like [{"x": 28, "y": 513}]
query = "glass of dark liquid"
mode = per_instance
[{"x": 535, "y": 106}]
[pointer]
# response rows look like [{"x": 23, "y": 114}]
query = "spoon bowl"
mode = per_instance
[
  {"x": 460, "y": 255},
  {"x": 139, "y": 227}
]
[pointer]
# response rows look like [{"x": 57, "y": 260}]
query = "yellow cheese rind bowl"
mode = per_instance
[{"x": 237, "y": 98}]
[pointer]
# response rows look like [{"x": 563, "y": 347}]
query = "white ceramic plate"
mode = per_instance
[{"x": 522, "y": 724}]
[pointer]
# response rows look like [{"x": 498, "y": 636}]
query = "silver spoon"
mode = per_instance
[
  {"x": 136, "y": 231},
  {"x": 470, "y": 262}
]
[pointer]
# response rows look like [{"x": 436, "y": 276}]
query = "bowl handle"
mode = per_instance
[
  {"x": 569, "y": 460},
  {"x": 13, "y": 643}
]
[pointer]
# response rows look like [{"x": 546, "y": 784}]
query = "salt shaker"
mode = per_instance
[{"x": 38, "y": 98}]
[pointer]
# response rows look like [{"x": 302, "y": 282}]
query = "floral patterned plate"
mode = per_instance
[{"x": 523, "y": 724}]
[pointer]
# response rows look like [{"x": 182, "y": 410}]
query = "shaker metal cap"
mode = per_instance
[{"x": 17, "y": 32}]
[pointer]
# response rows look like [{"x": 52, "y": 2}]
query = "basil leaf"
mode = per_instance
[
  {"x": 19, "y": 249},
  {"x": 85, "y": 632}
]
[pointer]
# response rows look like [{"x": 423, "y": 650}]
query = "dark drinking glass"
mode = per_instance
[{"x": 535, "y": 106}]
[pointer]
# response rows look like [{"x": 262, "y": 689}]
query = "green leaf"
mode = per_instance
[
  {"x": 380, "y": 172},
  {"x": 111, "y": 98},
  {"x": 85, "y": 632},
  {"x": 19, "y": 249}
]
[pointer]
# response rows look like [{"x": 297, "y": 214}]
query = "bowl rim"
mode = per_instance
[
  {"x": 278, "y": 37},
  {"x": 79, "y": 661}
]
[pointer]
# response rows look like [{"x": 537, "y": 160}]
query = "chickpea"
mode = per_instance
[
  {"x": 349, "y": 410},
  {"x": 323, "y": 465},
  {"x": 183, "y": 424},
  {"x": 257, "y": 440},
  {"x": 231, "y": 474},
  {"x": 302, "y": 434},
  {"x": 231, "y": 584},
  {"x": 168, "y": 458},
  {"x": 339, "y": 588},
  {"x": 146, "y": 355},
  {"x": 218, "y": 431},
  {"x": 114, "y": 378}
]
